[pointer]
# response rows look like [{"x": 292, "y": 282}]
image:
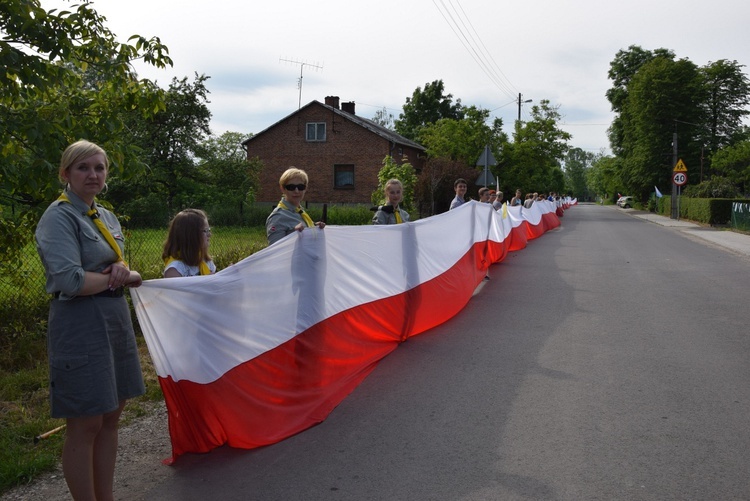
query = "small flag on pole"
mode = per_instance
[{"x": 658, "y": 193}]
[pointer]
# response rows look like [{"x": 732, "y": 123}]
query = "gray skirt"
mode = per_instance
[{"x": 93, "y": 356}]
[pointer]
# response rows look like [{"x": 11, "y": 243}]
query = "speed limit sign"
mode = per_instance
[{"x": 679, "y": 178}]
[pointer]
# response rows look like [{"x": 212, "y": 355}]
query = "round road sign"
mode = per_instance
[{"x": 679, "y": 178}]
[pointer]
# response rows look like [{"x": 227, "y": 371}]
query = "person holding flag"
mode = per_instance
[
  {"x": 94, "y": 367},
  {"x": 289, "y": 216}
]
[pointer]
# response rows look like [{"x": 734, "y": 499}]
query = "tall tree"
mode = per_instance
[
  {"x": 664, "y": 99},
  {"x": 533, "y": 160},
  {"x": 577, "y": 163},
  {"x": 621, "y": 71},
  {"x": 727, "y": 92},
  {"x": 425, "y": 107},
  {"x": 64, "y": 77},
  {"x": 170, "y": 141},
  {"x": 232, "y": 177},
  {"x": 464, "y": 139}
]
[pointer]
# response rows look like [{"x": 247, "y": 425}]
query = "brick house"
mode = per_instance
[{"x": 340, "y": 151}]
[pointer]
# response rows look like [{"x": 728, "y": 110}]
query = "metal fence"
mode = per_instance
[{"x": 23, "y": 287}]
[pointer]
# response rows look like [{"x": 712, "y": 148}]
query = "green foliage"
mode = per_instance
[
  {"x": 405, "y": 173},
  {"x": 64, "y": 77},
  {"x": 577, "y": 164},
  {"x": 734, "y": 163},
  {"x": 727, "y": 95},
  {"x": 462, "y": 139},
  {"x": 170, "y": 140},
  {"x": 716, "y": 187},
  {"x": 426, "y": 107},
  {"x": 658, "y": 98},
  {"x": 532, "y": 161}
]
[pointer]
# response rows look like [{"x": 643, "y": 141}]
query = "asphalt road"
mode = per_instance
[{"x": 610, "y": 359}]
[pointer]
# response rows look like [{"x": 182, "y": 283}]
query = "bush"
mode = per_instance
[{"x": 716, "y": 187}]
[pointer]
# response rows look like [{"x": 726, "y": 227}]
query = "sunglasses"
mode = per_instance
[{"x": 291, "y": 187}]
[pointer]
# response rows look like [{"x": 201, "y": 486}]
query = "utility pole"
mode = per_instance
[
  {"x": 519, "y": 105},
  {"x": 674, "y": 212},
  {"x": 302, "y": 64}
]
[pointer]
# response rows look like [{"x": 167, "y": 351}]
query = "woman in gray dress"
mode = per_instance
[{"x": 93, "y": 357}]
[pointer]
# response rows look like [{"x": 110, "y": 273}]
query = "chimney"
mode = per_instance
[
  {"x": 348, "y": 107},
  {"x": 332, "y": 101}
]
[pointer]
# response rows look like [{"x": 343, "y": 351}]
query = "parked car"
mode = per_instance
[{"x": 625, "y": 202}]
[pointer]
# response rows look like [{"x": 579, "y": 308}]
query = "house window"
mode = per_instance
[
  {"x": 316, "y": 131},
  {"x": 343, "y": 177}
]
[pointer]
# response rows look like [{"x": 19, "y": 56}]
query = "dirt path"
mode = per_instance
[{"x": 144, "y": 443}]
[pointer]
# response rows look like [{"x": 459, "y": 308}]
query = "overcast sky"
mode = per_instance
[{"x": 377, "y": 52}]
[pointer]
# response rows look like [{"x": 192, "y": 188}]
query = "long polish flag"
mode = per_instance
[{"x": 268, "y": 347}]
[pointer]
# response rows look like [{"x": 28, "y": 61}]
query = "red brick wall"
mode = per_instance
[{"x": 284, "y": 145}]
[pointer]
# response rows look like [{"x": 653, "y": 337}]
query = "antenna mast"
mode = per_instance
[{"x": 302, "y": 65}]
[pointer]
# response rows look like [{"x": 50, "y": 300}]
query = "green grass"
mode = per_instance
[{"x": 24, "y": 406}]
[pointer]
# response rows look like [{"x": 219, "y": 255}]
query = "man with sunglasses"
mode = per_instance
[{"x": 288, "y": 216}]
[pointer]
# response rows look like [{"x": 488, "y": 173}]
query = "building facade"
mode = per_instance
[{"x": 340, "y": 151}]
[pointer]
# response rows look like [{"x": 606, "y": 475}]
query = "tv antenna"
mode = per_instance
[{"x": 302, "y": 65}]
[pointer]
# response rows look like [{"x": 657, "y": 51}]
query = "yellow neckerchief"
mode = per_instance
[
  {"x": 93, "y": 213},
  {"x": 203, "y": 268},
  {"x": 397, "y": 213},
  {"x": 305, "y": 216}
]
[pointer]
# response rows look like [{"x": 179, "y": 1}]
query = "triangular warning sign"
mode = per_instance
[{"x": 680, "y": 166}]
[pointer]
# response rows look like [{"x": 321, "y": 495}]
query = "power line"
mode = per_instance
[{"x": 477, "y": 50}]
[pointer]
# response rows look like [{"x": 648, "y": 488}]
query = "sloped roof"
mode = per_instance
[{"x": 366, "y": 123}]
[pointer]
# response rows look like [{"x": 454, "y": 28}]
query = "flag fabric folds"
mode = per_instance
[
  {"x": 658, "y": 193},
  {"x": 269, "y": 346}
]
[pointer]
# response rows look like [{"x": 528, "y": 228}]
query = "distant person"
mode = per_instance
[
  {"x": 289, "y": 216},
  {"x": 391, "y": 213},
  {"x": 498, "y": 203},
  {"x": 493, "y": 197},
  {"x": 459, "y": 186},
  {"x": 94, "y": 367},
  {"x": 516, "y": 200},
  {"x": 185, "y": 251},
  {"x": 484, "y": 195},
  {"x": 529, "y": 201}
]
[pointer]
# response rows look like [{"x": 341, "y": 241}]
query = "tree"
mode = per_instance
[
  {"x": 532, "y": 161},
  {"x": 426, "y": 107},
  {"x": 384, "y": 118},
  {"x": 577, "y": 163},
  {"x": 464, "y": 139},
  {"x": 603, "y": 177},
  {"x": 733, "y": 162},
  {"x": 170, "y": 141},
  {"x": 664, "y": 98},
  {"x": 621, "y": 71},
  {"x": 727, "y": 92},
  {"x": 50, "y": 98},
  {"x": 232, "y": 177}
]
